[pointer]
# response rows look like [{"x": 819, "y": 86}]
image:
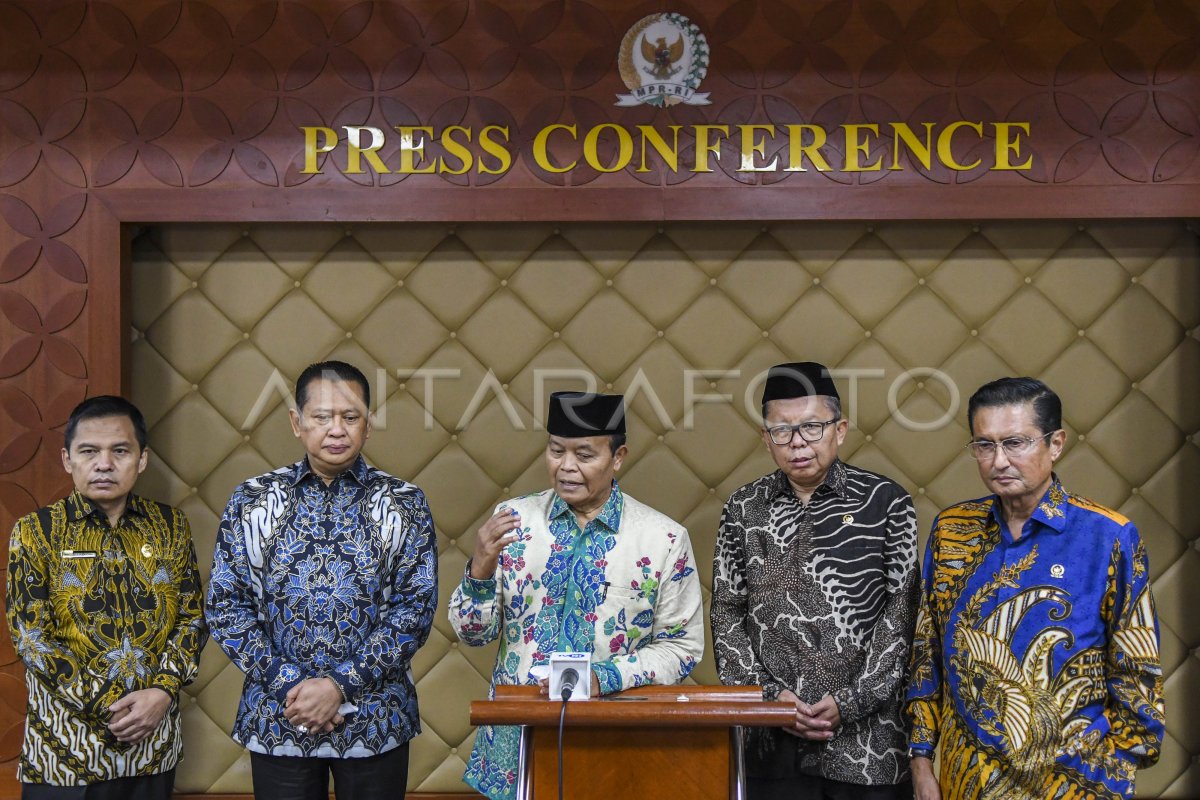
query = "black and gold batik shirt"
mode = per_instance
[
  {"x": 820, "y": 598},
  {"x": 97, "y": 612}
]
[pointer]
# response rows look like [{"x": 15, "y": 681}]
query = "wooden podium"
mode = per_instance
[{"x": 656, "y": 741}]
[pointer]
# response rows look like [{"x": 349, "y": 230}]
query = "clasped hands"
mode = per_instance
[
  {"x": 817, "y": 721},
  {"x": 312, "y": 705}
]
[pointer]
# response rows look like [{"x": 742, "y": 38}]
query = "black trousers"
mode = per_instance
[
  {"x": 811, "y": 787},
  {"x": 381, "y": 777},
  {"x": 142, "y": 787}
]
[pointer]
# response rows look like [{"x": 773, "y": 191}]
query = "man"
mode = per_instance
[
  {"x": 581, "y": 566},
  {"x": 323, "y": 587},
  {"x": 1035, "y": 662},
  {"x": 814, "y": 597},
  {"x": 104, "y": 608}
]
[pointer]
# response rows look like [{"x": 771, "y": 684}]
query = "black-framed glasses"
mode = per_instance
[
  {"x": 1014, "y": 446},
  {"x": 810, "y": 432}
]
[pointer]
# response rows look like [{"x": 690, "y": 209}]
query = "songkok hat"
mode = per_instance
[
  {"x": 578, "y": 414},
  {"x": 799, "y": 379}
]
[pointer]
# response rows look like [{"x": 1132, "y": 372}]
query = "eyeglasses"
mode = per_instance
[
  {"x": 810, "y": 432},
  {"x": 1014, "y": 446}
]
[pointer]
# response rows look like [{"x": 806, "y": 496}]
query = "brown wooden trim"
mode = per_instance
[{"x": 781, "y": 202}]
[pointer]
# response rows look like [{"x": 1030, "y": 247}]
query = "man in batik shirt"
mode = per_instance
[
  {"x": 814, "y": 598},
  {"x": 579, "y": 567},
  {"x": 1035, "y": 664},
  {"x": 323, "y": 587},
  {"x": 104, "y": 606}
]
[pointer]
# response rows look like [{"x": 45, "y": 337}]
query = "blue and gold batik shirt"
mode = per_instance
[
  {"x": 335, "y": 581},
  {"x": 624, "y": 588},
  {"x": 98, "y": 611},
  {"x": 1035, "y": 664}
]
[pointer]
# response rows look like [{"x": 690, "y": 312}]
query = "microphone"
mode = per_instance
[{"x": 570, "y": 678}]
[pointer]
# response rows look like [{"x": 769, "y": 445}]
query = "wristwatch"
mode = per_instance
[{"x": 919, "y": 752}]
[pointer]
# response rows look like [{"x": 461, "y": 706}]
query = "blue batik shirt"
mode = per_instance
[
  {"x": 1035, "y": 665},
  {"x": 340, "y": 581}
]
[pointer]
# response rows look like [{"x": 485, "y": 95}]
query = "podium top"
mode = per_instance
[{"x": 644, "y": 707}]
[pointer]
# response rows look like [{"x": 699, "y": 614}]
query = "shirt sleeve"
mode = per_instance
[
  {"x": 676, "y": 640},
  {"x": 232, "y": 610},
  {"x": 475, "y": 609},
  {"x": 31, "y": 622},
  {"x": 737, "y": 662},
  {"x": 405, "y": 619},
  {"x": 1135, "y": 710},
  {"x": 886, "y": 662},
  {"x": 180, "y": 657},
  {"x": 923, "y": 709}
]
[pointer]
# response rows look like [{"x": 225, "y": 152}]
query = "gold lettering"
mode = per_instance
[
  {"x": 858, "y": 146},
  {"x": 456, "y": 149},
  {"x": 751, "y": 148},
  {"x": 355, "y": 151},
  {"x": 1008, "y": 142},
  {"x": 591, "y": 148},
  {"x": 541, "y": 154},
  {"x": 494, "y": 149},
  {"x": 412, "y": 150},
  {"x": 923, "y": 151},
  {"x": 312, "y": 149},
  {"x": 669, "y": 154},
  {"x": 704, "y": 146},
  {"x": 945, "y": 152},
  {"x": 798, "y": 151}
]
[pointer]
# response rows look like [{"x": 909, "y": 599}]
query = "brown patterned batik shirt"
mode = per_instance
[
  {"x": 820, "y": 598},
  {"x": 96, "y": 612}
]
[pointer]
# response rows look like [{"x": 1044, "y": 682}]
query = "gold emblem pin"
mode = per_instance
[
  {"x": 846, "y": 520},
  {"x": 1058, "y": 570},
  {"x": 147, "y": 550}
]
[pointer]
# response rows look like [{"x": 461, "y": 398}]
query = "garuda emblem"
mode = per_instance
[{"x": 663, "y": 58}]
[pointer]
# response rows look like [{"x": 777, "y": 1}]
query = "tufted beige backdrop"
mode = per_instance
[{"x": 1107, "y": 313}]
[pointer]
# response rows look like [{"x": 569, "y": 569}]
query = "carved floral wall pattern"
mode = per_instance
[{"x": 104, "y": 104}]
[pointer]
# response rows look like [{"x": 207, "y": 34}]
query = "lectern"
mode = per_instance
[{"x": 656, "y": 741}]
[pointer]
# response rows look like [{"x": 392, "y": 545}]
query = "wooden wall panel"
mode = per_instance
[{"x": 149, "y": 110}]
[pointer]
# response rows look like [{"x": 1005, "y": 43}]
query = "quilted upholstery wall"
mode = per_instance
[{"x": 1107, "y": 313}]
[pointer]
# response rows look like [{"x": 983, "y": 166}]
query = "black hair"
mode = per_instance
[
  {"x": 331, "y": 370},
  {"x": 106, "y": 405},
  {"x": 1047, "y": 407},
  {"x": 615, "y": 442}
]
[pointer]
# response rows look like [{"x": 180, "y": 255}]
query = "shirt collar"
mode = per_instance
[
  {"x": 80, "y": 508},
  {"x": 609, "y": 516},
  {"x": 835, "y": 482},
  {"x": 302, "y": 469},
  {"x": 1051, "y": 511}
]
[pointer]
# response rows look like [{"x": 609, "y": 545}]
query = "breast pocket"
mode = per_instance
[{"x": 624, "y": 621}]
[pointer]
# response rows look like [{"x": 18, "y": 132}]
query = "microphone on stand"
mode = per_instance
[
  {"x": 570, "y": 679},
  {"x": 570, "y": 676}
]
